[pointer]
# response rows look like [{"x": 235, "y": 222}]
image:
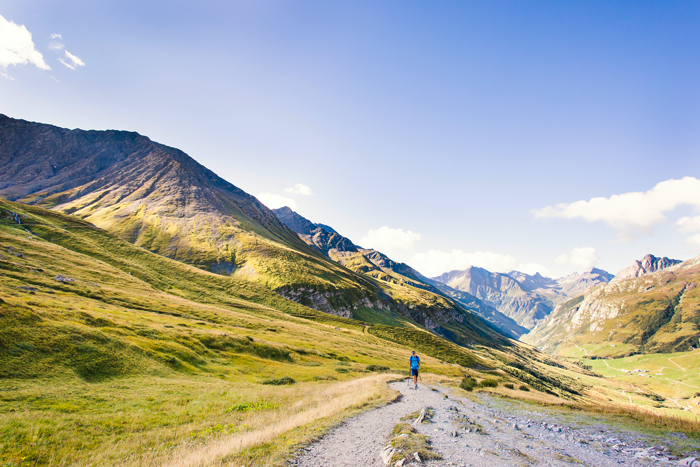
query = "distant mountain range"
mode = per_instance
[
  {"x": 652, "y": 306},
  {"x": 527, "y": 299}
]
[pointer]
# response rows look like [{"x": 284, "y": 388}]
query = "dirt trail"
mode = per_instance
[{"x": 512, "y": 433}]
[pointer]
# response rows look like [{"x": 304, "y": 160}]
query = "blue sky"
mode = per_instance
[{"x": 442, "y": 133}]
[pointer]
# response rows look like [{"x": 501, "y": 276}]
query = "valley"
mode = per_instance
[{"x": 152, "y": 313}]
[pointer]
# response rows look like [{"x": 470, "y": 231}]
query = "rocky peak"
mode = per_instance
[
  {"x": 319, "y": 235},
  {"x": 646, "y": 265}
]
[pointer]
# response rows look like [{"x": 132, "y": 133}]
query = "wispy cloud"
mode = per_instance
[
  {"x": 274, "y": 201},
  {"x": 393, "y": 242},
  {"x": 631, "y": 213},
  {"x": 56, "y": 43},
  {"x": 69, "y": 60},
  {"x": 299, "y": 189},
  {"x": 583, "y": 259},
  {"x": 17, "y": 47}
]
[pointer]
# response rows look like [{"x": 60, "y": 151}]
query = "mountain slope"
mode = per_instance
[
  {"x": 401, "y": 281},
  {"x": 658, "y": 312},
  {"x": 160, "y": 199}
]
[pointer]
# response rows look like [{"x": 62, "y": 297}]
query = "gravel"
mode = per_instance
[{"x": 491, "y": 432}]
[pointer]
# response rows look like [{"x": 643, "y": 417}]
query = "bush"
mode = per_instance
[
  {"x": 377, "y": 368},
  {"x": 468, "y": 383},
  {"x": 524, "y": 388},
  {"x": 488, "y": 383},
  {"x": 341, "y": 370},
  {"x": 252, "y": 406},
  {"x": 509, "y": 386},
  {"x": 280, "y": 381}
]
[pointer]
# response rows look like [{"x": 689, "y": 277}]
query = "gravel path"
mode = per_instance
[{"x": 510, "y": 433}]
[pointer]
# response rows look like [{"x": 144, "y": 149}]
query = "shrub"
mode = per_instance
[
  {"x": 509, "y": 386},
  {"x": 524, "y": 388},
  {"x": 488, "y": 383},
  {"x": 377, "y": 368},
  {"x": 468, "y": 383},
  {"x": 280, "y": 381},
  {"x": 341, "y": 370},
  {"x": 325, "y": 378},
  {"x": 252, "y": 406}
]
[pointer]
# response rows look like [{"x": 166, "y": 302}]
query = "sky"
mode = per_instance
[{"x": 540, "y": 136}]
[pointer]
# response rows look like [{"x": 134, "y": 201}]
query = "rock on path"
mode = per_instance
[{"x": 493, "y": 432}]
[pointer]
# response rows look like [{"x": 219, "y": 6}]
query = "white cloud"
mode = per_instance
[
  {"x": 631, "y": 213},
  {"x": 75, "y": 60},
  {"x": 392, "y": 242},
  {"x": 69, "y": 60},
  {"x": 436, "y": 262},
  {"x": 274, "y": 201},
  {"x": 56, "y": 43},
  {"x": 17, "y": 47},
  {"x": 583, "y": 259},
  {"x": 688, "y": 224},
  {"x": 299, "y": 189},
  {"x": 693, "y": 239}
]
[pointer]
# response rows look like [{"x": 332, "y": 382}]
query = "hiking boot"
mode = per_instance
[{"x": 416, "y": 387}]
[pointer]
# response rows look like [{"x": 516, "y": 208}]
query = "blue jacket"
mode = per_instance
[{"x": 415, "y": 362}]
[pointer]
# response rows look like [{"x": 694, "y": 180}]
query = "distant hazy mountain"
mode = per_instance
[
  {"x": 408, "y": 284},
  {"x": 651, "y": 311},
  {"x": 525, "y": 298},
  {"x": 646, "y": 265}
]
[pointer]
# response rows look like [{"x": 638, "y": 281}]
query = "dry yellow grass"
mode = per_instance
[{"x": 316, "y": 403}]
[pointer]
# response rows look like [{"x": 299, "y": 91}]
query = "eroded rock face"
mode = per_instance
[{"x": 648, "y": 264}]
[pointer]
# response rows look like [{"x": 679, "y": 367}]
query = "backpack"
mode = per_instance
[{"x": 415, "y": 361}]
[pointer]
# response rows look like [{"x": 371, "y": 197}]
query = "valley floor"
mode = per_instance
[{"x": 509, "y": 433}]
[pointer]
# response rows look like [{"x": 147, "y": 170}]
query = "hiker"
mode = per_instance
[{"x": 415, "y": 368}]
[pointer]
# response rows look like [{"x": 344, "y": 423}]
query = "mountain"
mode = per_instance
[
  {"x": 525, "y": 298},
  {"x": 379, "y": 266},
  {"x": 500, "y": 291},
  {"x": 646, "y": 265},
  {"x": 158, "y": 198},
  {"x": 655, "y": 312}
]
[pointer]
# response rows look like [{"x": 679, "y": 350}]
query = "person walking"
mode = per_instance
[{"x": 415, "y": 368}]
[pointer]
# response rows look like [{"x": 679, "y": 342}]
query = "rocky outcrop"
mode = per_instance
[{"x": 646, "y": 265}]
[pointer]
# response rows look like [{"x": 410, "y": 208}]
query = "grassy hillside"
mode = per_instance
[{"x": 655, "y": 313}]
